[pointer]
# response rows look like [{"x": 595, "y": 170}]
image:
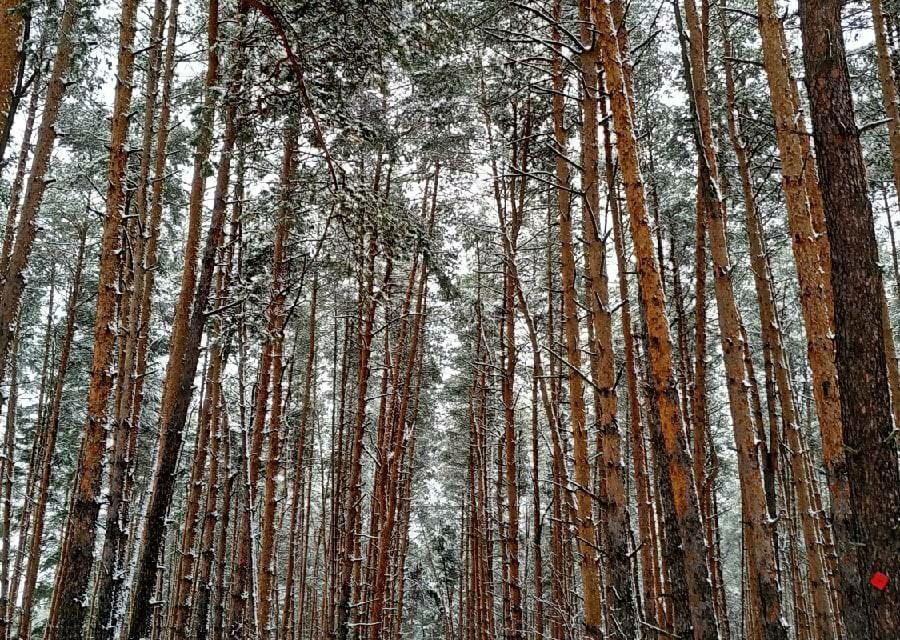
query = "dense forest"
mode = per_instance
[{"x": 449, "y": 319}]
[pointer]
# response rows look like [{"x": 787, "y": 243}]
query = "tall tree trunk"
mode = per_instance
[
  {"x": 183, "y": 581},
  {"x": 67, "y": 611},
  {"x": 665, "y": 392},
  {"x": 10, "y": 595},
  {"x": 398, "y": 434},
  {"x": 869, "y": 437},
  {"x": 367, "y": 305},
  {"x": 537, "y": 521},
  {"x": 154, "y": 215}
]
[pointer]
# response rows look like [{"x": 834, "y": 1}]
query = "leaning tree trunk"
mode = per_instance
[
  {"x": 869, "y": 438},
  {"x": 665, "y": 393}
]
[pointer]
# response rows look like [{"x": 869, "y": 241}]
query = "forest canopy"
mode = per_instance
[{"x": 449, "y": 319}]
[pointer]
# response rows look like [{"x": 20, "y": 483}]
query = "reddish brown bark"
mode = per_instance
[{"x": 665, "y": 392}]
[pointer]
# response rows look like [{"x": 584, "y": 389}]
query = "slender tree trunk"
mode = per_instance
[
  {"x": 67, "y": 610},
  {"x": 235, "y": 255},
  {"x": 46, "y": 460},
  {"x": 183, "y": 577},
  {"x": 537, "y": 522},
  {"x": 647, "y": 543},
  {"x": 37, "y": 447},
  {"x": 665, "y": 393},
  {"x": 368, "y": 304}
]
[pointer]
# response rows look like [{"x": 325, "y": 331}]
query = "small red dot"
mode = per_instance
[{"x": 878, "y": 580}]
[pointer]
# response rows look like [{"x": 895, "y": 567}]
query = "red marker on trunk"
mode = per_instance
[{"x": 878, "y": 580}]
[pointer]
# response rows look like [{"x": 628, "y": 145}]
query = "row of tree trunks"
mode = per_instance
[
  {"x": 183, "y": 360},
  {"x": 586, "y": 530},
  {"x": 815, "y": 300},
  {"x": 614, "y": 539},
  {"x": 773, "y": 346},
  {"x": 758, "y": 526},
  {"x": 344, "y": 499},
  {"x": 266, "y": 569},
  {"x": 44, "y": 462},
  {"x": 665, "y": 394},
  {"x": 653, "y": 602},
  {"x": 12, "y": 278},
  {"x": 292, "y": 615}
]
